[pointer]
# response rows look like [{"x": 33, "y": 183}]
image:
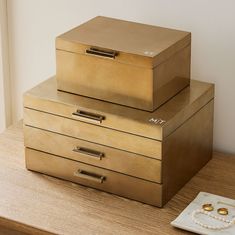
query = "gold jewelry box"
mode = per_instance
[
  {"x": 132, "y": 64},
  {"x": 133, "y": 153}
]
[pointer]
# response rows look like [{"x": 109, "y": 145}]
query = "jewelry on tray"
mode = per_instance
[
  {"x": 227, "y": 222},
  {"x": 222, "y": 211},
  {"x": 207, "y": 207}
]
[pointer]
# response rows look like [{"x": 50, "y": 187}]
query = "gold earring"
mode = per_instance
[
  {"x": 222, "y": 211},
  {"x": 208, "y": 207}
]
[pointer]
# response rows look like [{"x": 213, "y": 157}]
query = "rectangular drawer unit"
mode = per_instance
[
  {"x": 104, "y": 57},
  {"x": 93, "y": 133},
  {"x": 137, "y": 154},
  {"x": 113, "y": 182},
  {"x": 93, "y": 154}
]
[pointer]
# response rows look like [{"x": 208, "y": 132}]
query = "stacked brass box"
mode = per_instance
[
  {"x": 127, "y": 63},
  {"x": 143, "y": 152}
]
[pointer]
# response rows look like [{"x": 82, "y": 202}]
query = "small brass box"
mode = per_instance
[{"x": 132, "y": 64}]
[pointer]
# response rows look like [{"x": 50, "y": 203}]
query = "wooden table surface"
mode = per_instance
[{"x": 32, "y": 203}]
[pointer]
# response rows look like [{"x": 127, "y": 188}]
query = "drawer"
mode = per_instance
[
  {"x": 155, "y": 125},
  {"x": 109, "y": 181},
  {"x": 93, "y": 154},
  {"x": 93, "y": 133}
]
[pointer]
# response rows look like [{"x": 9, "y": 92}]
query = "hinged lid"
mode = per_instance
[
  {"x": 155, "y": 125},
  {"x": 124, "y": 41}
]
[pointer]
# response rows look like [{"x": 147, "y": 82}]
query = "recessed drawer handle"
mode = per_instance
[
  {"x": 92, "y": 153},
  {"x": 90, "y": 176},
  {"x": 89, "y": 116},
  {"x": 101, "y": 52}
]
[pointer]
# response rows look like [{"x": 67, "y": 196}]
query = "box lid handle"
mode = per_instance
[{"x": 101, "y": 52}]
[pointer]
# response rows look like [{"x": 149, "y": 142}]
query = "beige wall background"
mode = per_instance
[
  {"x": 34, "y": 24},
  {"x": 2, "y": 101},
  {"x": 5, "y": 86}
]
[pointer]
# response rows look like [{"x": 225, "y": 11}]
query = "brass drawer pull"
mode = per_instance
[
  {"x": 101, "y": 52},
  {"x": 89, "y": 116},
  {"x": 92, "y": 153},
  {"x": 90, "y": 176}
]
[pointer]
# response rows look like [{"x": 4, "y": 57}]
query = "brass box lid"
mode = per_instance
[
  {"x": 135, "y": 43},
  {"x": 155, "y": 125}
]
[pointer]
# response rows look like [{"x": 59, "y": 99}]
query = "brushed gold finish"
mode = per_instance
[
  {"x": 22, "y": 190},
  {"x": 185, "y": 153},
  {"x": 175, "y": 112},
  {"x": 104, "y": 79},
  {"x": 93, "y": 133},
  {"x": 113, "y": 182},
  {"x": 153, "y": 64},
  {"x": 182, "y": 132},
  {"x": 177, "y": 67},
  {"x": 187, "y": 150},
  {"x": 132, "y": 40},
  {"x": 112, "y": 159}
]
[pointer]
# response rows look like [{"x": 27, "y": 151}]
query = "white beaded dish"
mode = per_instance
[{"x": 186, "y": 219}]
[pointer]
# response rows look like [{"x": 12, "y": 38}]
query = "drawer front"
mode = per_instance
[
  {"x": 154, "y": 125},
  {"x": 93, "y": 154},
  {"x": 109, "y": 181},
  {"x": 105, "y": 79},
  {"x": 93, "y": 133}
]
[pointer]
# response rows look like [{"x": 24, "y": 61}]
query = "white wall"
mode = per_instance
[
  {"x": 34, "y": 24},
  {"x": 2, "y": 101},
  {"x": 5, "y": 95}
]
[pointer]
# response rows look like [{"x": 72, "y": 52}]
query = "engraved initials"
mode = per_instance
[{"x": 157, "y": 121}]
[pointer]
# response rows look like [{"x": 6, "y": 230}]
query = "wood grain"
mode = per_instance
[
  {"x": 38, "y": 204},
  {"x": 7, "y": 231}
]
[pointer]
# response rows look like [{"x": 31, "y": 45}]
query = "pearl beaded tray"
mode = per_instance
[{"x": 187, "y": 219}]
